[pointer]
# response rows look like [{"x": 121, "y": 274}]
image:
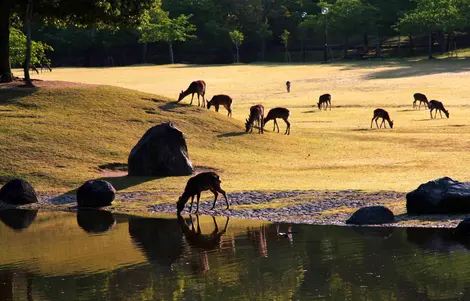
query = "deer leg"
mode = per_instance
[
  {"x": 197, "y": 205},
  {"x": 192, "y": 97},
  {"x": 288, "y": 127},
  {"x": 191, "y": 206},
  {"x": 225, "y": 196},
  {"x": 217, "y": 108},
  {"x": 216, "y": 227},
  {"x": 198, "y": 225},
  {"x": 430, "y": 112},
  {"x": 440, "y": 113},
  {"x": 203, "y": 98},
  {"x": 226, "y": 225},
  {"x": 262, "y": 124},
  {"x": 216, "y": 194},
  {"x": 376, "y": 123},
  {"x": 198, "y": 100},
  {"x": 229, "y": 112}
]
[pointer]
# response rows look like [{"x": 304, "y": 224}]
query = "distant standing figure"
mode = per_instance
[
  {"x": 381, "y": 113},
  {"x": 324, "y": 101},
  {"x": 421, "y": 98},
  {"x": 221, "y": 100},
  {"x": 275, "y": 113},
  {"x": 438, "y": 106},
  {"x": 201, "y": 182},
  {"x": 199, "y": 87},
  {"x": 288, "y": 86}
]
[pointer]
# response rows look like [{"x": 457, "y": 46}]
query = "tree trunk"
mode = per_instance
[
  {"x": 366, "y": 42},
  {"x": 377, "y": 47},
  {"x": 238, "y": 55},
  {"x": 410, "y": 38},
  {"x": 27, "y": 59},
  {"x": 430, "y": 45},
  {"x": 263, "y": 49},
  {"x": 448, "y": 46},
  {"x": 442, "y": 42},
  {"x": 144, "y": 53},
  {"x": 302, "y": 51},
  {"x": 399, "y": 45},
  {"x": 5, "y": 68},
  {"x": 346, "y": 47},
  {"x": 172, "y": 57}
]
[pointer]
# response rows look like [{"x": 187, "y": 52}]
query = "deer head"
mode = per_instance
[
  {"x": 391, "y": 124},
  {"x": 319, "y": 106},
  {"x": 447, "y": 113},
  {"x": 209, "y": 103},
  {"x": 181, "y": 96},
  {"x": 180, "y": 205},
  {"x": 247, "y": 126}
]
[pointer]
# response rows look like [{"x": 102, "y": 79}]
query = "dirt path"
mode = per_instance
[{"x": 310, "y": 207}]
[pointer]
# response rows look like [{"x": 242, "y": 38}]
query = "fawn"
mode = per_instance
[
  {"x": 381, "y": 113},
  {"x": 438, "y": 106},
  {"x": 221, "y": 100},
  {"x": 275, "y": 113},
  {"x": 201, "y": 182},
  {"x": 324, "y": 100},
  {"x": 256, "y": 114},
  {"x": 199, "y": 87},
  {"x": 421, "y": 98}
]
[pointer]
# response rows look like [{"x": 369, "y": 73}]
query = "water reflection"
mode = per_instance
[
  {"x": 95, "y": 221},
  {"x": 18, "y": 219},
  {"x": 202, "y": 243},
  {"x": 201, "y": 257},
  {"x": 159, "y": 239}
]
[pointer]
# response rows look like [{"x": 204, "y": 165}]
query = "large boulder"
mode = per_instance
[
  {"x": 439, "y": 196},
  {"x": 160, "y": 152},
  {"x": 372, "y": 215},
  {"x": 18, "y": 192},
  {"x": 95, "y": 193}
]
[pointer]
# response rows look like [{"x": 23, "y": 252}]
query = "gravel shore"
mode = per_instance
[{"x": 309, "y": 207}]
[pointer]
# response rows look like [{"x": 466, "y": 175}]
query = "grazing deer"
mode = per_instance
[
  {"x": 288, "y": 86},
  {"x": 202, "y": 242},
  {"x": 199, "y": 87},
  {"x": 275, "y": 113},
  {"x": 201, "y": 182},
  {"x": 46, "y": 67},
  {"x": 33, "y": 68},
  {"x": 438, "y": 106},
  {"x": 221, "y": 100},
  {"x": 256, "y": 114},
  {"x": 421, "y": 98},
  {"x": 381, "y": 113},
  {"x": 324, "y": 100}
]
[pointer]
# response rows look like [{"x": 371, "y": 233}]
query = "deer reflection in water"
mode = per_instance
[{"x": 203, "y": 242}]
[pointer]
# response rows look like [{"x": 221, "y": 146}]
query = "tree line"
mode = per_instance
[{"x": 97, "y": 33}]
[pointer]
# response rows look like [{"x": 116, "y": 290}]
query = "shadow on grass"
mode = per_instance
[
  {"x": 13, "y": 97},
  {"x": 232, "y": 134},
  {"x": 308, "y": 112},
  {"x": 170, "y": 106}
]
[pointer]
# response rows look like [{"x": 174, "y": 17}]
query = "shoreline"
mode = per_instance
[{"x": 297, "y": 206}]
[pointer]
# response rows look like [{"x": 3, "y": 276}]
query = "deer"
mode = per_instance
[
  {"x": 421, "y": 98},
  {"x": 324, "y": 100},
  {"x": 199, "y": 87},
  {"x": 381, "y": 113},
  {"x": 281, "y": 113},
  {"x": 438, "y": 106},
  {"x": 33, "y": 68},
  {"x": 195, "y": 185},
  {"x": 202, "y": 242},
  {"x": 256, "y": 114},
  {"x": 288, "y": 86},
  {"x": 46, "y": 67},
  {"x": 221, "y": 100}
]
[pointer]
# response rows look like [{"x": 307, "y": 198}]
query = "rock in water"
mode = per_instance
[
  {"x": 18, "y": 192},
  {"x": 160, "y": 152},
  {"x": 371, "y": 216},
  {"x": 443, "y": 195},
  {"x": 95, "y": 193}
]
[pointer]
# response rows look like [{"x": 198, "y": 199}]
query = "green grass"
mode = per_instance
[{"x": 58, "y": 137}]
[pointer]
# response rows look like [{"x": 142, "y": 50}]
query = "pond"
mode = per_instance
[{"x": 96, "y": 255}]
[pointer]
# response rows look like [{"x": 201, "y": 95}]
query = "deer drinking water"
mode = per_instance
[
  {"x": 324, "y": 100},
  {"x": 221, "y": 100},
  {"x": 438, "y": 106},
  {"x": 421, "y": 98},
  {"x": 201, "y": 182},
  {"x": 381, "y": 113},
  {"x": 288, "y": 86},
  {"x": 199, "y": 87},
  {"x": 275, "y": 113},
  {"x": 256, "y": 114}
]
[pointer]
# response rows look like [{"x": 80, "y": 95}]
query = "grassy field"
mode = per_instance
[{"x": 57, "y": 138}]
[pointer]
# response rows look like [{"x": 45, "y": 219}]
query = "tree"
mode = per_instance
[
  {"x": 102, "y": 13},
  {"x": 430, "y": 16},
  {"x": 18, "y": 49},
  {"x": 237, "y": 39},
  {"x": 285, "y": 41},
  {"x": 169, "y": 31}
]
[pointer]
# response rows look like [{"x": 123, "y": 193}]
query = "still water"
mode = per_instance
[{"x": 96, "y": 255}]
